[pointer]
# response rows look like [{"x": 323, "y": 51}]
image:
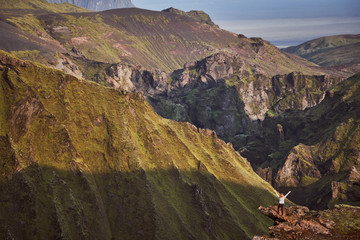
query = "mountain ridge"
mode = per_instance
[
  {"x": 246, "y": 89},
  {"x": 331, "y": 50},
  {"x": 136, "y": 176}
]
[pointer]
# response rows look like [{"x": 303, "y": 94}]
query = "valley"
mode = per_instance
[{"x": 138, "y": 124}]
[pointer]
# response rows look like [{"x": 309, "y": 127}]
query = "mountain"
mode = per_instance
[
  {"x": 154, "y": 40},
  {"x": 330, "y": 51},
  {"x": 97, "y": 5},
  {"x": 222, "y": 92},
  {"x": 287, "y": 126},
  {"x": 83, "y": 161},
  {"x": 247, "y": 90}
]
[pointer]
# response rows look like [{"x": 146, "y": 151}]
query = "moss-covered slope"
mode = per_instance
[
  {"x": 164, "y": 40},
  {"x": 42, "y": 5},
  {"x": 80, "y": 161}
]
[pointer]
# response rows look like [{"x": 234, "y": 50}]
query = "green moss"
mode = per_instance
[
  {"x": 346, "y": 219},
  {"x": 40, "y": 5},
  {"x": 306, "y": 180},
  {"x": 31, "y": 55},
  {"x": 91, "y": 157}
]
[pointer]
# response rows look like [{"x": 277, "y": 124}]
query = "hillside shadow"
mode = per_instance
[{"x": 42, "y": 202}]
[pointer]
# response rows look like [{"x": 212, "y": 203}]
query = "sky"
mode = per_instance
[{"x": 282, "y": 22}]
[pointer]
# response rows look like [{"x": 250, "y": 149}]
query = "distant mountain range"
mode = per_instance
[
  {"x": 330, "y": 51},
  {"x": 97, "y": 5}
]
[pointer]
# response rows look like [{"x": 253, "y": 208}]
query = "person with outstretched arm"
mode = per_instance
[{"x": 281, "y": 202}]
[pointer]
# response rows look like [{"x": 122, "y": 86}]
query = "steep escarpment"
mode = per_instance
[
  {"x": 311, "y": 148},
  {"x": 317, "y": 151},
  {"x": 222, "y": 92},
  {"x": 81, "y": 161}
]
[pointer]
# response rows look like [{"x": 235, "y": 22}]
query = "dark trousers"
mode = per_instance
[{"x": 281, "y": 207}]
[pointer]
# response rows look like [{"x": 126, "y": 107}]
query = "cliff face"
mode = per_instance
[
  {"x": 82, "y": 161},
  {"x": 222, "y": 92},
  {"x": 97, "y": 5},
  {"x": 318, "y": 150},
  {"x": 302, "y": 149}
]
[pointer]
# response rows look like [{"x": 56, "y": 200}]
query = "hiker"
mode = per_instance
[{"x": 281, "y": 202}]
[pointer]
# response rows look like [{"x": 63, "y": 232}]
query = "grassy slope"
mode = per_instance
[
  {"x": 83, "y": 161},
  {"x": 40, "y": 5},
  {"x": 330, "y": 51},
  {"x": 163, "y": 40}
]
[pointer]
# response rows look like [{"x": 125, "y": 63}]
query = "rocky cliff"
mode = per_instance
[
  {"x": 317, "y": 150},
  {"x": 97, "y": 5},
  {"x": 82, "y": 161},
  {"x": 222, "y": 92},
  {"x": 288, "y": 148},
  {"x": 301, "y": 223}
]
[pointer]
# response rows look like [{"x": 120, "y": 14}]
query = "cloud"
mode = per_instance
[{"x": 292, "y": 29}]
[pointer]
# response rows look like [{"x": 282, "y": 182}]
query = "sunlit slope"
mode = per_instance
[
  {"x": 81, "y": 161},
  {"x": 39, "y": 5},
  {"x": 163, "y": 40},
  {"x": 331, "y": 50}
]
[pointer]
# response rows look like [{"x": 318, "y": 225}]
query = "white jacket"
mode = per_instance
[{"x": 282, "y": 199}]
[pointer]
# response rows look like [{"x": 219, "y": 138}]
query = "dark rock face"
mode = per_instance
[
  {"x": 220, "y": 93},
  {"x": 97, "y": 5},
  {"x": 300, "y": 223},
  {"x": 318, "y": 149}
]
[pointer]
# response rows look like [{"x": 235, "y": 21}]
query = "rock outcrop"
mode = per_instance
[
  {"x": 195, "y": 14},
  {"x": 300, "y": 223}
]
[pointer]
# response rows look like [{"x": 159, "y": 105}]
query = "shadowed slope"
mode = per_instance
[{"x": 82, "y": 161}]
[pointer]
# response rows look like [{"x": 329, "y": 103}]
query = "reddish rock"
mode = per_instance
[{"x": 300, "y": 223}]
